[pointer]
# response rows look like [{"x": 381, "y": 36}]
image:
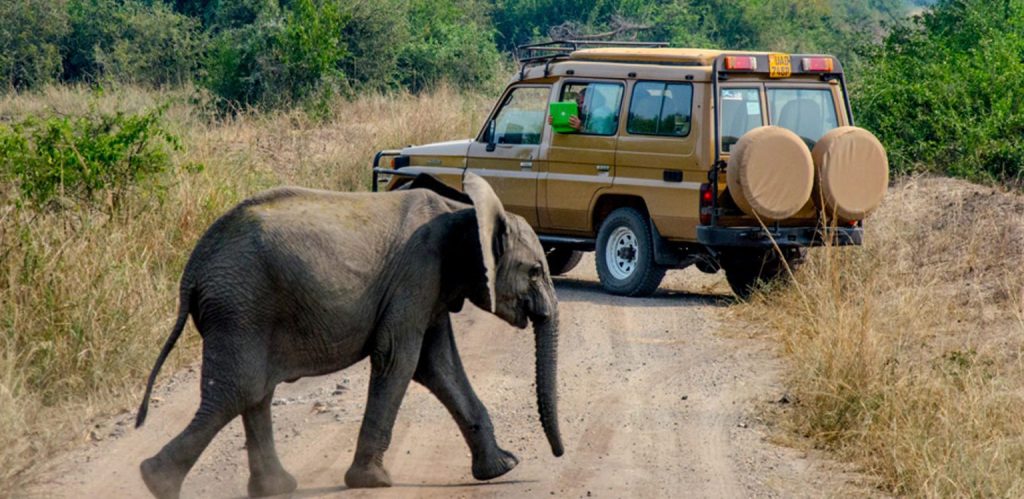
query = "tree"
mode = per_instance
[
  {"x": 30, "y": 33},
  {"x": 130, "y": 41},
  {"x": 944, "y": 93}
]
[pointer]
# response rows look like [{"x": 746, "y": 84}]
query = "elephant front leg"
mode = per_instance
[
  {"x": 440, "y": 371},
  {"x": 391, "y": 372}
]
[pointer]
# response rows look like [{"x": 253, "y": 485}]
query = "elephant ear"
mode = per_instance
[{"x": 491, "y": 222}]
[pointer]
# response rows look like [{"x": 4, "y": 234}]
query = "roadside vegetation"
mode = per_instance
[
  {"x": 127, "y": 126},
  {"x": 906, "y": 354}
]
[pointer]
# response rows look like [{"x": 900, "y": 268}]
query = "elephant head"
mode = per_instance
[{"x": 519, "y": 289}]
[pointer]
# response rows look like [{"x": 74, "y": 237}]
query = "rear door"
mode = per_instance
[
  {"x": 656, "y": 155},
  {"x": 506, "y": 154},
  {"x": 582, "y": 163}
]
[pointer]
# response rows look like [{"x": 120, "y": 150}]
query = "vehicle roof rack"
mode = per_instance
[{"x": 547, "y": 52}]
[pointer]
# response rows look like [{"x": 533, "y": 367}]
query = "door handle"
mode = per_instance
[
  {"x": 603, "y": 168},
  {"x": 526, "y": 165}
]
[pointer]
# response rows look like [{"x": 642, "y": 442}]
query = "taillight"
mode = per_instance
[
  {"x": 740, "y": 63},
  {"x": 818, "y": 64},
  {"x": 707, "y": 195}
]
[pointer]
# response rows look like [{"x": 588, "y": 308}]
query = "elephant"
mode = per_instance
[{"x": 297, "y": 282}]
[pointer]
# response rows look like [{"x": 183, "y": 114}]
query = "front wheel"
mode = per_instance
[{"x": 625, "y": 254}]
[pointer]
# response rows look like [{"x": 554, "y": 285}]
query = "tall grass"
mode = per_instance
[
  {"x": 86, "y": 299},
  {"x": 906, "y": 354}
]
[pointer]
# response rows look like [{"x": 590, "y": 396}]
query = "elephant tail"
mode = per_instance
[{"x": 183, "y": 311}]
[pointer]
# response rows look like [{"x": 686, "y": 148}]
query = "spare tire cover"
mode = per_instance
[
  {"x": 770, "y": 173},
  {"x": 852, "y": 173}
]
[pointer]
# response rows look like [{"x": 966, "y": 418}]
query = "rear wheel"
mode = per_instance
[
  {"x": 562, "y": 260},
  {"x": 625, "y": 254},
  {"x": 745, "y": 270}
]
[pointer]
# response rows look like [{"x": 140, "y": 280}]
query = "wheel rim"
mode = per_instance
[{"x": 621, "y": 253}]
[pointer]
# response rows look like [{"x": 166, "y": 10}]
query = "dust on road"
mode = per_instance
[{"x": 654, "y": 401}]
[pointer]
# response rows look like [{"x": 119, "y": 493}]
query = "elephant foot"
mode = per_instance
[
  {"x": 274, "y": 484},
  {"x": 364, "y": 476},
  {"x": 162, "y": 480},
  {"x": 495, "y": 466}
]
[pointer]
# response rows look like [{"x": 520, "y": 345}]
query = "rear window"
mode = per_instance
[
  {"x": 660, "y": 108},
  {"x": 741, "y": 112},
  {"x": 807, "y": 112}
]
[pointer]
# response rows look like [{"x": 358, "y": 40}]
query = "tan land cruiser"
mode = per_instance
[{"x": 723, "y": 160}]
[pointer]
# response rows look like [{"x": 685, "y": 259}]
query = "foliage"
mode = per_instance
[
  {"x": 783, "y": 25},
  {"x": 943, "y": 93},
  {"x": 62, "y": 158},
  {"x": 282, "y": 58},
  {"x": 131, "y": 41},
  {"x": 30, "y": 32},
  {"x": 376, "y": 33},
  {"x": 452, "y": 41}
]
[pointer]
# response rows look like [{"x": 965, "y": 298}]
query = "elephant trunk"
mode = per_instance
[{"x": 546, "y": 335}]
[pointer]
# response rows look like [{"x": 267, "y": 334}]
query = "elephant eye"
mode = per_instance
[{"x": 536, "y": 271}]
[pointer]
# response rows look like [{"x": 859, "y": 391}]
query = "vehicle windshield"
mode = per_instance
[
  {"x": 808, "y": 112},
  {"x": 521, "y": 119}
]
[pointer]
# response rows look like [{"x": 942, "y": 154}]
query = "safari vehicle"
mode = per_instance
[{"x": 723, "y": 160}]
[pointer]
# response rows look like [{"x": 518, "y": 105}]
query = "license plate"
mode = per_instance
[{"x": 779, "y": 66}]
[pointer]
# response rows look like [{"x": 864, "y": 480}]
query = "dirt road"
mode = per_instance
[{"x": 657, "y": 399}]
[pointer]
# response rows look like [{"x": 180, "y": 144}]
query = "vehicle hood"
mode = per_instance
[{"x": 451, "y": 148}]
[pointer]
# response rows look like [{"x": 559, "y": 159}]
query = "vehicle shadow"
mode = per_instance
[
  {"x": 327, "y": 491},
  {"x": 570, "y": 289}
]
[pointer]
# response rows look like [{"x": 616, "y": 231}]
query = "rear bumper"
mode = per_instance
[{"x": 758, "y": 237}]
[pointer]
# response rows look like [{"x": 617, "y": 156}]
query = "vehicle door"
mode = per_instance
[
  {"x": 506, "y": 153},
  {"x": 656, "y": 155},
  {"x": 581, "y": 163}
]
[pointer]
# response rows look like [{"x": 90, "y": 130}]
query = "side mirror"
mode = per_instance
[{"x": 490, "y": 136}]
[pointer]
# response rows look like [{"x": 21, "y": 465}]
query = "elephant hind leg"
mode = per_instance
[
  {"x": 223, "y": 396},
  {"x": 165, "y": 472},
  {"x": 266, "y": 475},
  {"x": 440, "y": 371}
]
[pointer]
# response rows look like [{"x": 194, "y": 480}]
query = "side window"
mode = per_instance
[
  {"x": 741, "y": 112},
  {"x": 660, "y": 108},
  {"x": 599, "y": 105},
  {"x": 521, "y": 117}
]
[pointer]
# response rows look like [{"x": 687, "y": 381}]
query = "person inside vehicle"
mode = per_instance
[
  {"x": 596, "y": 115},
  {"x": 577, "y": 121}
]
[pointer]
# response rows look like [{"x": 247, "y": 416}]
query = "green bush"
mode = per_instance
[
  {"x": 131, "y": 41},
  {"x": 91, "y": 159},
  {"x": 944, "y": 93},
  {"x": 376, "y": 33},
  {"x": 280, "y": 59},
  {"x": 30, "y": 33},
  {"x": 451, "y": 41}
]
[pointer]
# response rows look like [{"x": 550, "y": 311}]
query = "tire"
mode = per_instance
[
  {"x": 625, "y": 254},
  {"x": 562, "y": 260},
  {"x": 747, "y": 270}
]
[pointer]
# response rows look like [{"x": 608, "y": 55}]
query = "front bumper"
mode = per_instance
[{"x": 759, "y": 237}]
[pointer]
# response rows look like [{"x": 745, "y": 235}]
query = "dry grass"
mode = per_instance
[
  {"x": 906, "y": 354},
  {"x": 86, "y": 301}
]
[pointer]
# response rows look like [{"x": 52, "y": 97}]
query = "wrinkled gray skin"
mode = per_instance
[{"x": 296, "y": 282}]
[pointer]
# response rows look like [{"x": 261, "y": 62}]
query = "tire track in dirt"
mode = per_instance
[{"x": 654, "y": 402}]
